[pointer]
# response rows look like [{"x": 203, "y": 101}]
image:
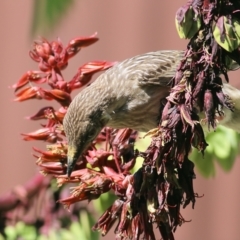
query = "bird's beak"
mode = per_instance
[
  {"x": 70, "y": 165},
  {"x": 71, "y": 160}
]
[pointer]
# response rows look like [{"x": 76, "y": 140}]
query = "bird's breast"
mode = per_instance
[{"x": 141, "y": 110}]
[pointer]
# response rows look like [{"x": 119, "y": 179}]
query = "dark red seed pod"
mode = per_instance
[{"x": 209, "y": 108}]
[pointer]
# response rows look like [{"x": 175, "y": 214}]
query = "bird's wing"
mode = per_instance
[{"x": 155, "y": 68}]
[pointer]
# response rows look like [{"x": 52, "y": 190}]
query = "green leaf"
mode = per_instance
[
  {"x": 231, "y": 64},
  {"x": 83, "y": 228},
  {"x": 1, "y": 237},
  {"x": 27, "y": 232},
  {"x": 225, "y": 147},
  {"x": 66, "y": 235},
  {"x": 47, "y": 14},
  {"x": 43, "y": 237},
  {"x": 236, "y": 28},
  {"x": 190, "y": 24},
  {"x": 204, "y": 164},
  {"x": 225, "y": 35},
  {"x": 54, "y": 235},
  {"x": 87, "y": 221},
  {"x": 103, "y": 202},
  {"x": 222, "y": 149},
  {"x": 11, "y": 232},
  {"x": 78, "y": 231}
]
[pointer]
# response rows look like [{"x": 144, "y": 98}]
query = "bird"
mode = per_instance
[{"x": 129, "y": 95}]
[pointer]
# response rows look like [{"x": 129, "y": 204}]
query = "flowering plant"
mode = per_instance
[{"x": 155, "y": 192}]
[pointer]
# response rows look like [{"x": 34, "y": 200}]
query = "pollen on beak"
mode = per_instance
[
  {"x": 70, "y": 166},
  {"x": 72, "y": 160}
]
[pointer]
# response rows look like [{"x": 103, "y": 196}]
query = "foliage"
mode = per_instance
[
  {"x": 222, "y": 150},
  {"x": 155, "y": 192},
  {"x": 47, "y": 14}
]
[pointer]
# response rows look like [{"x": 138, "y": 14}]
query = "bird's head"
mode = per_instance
[{"x": 79, "y": 135}]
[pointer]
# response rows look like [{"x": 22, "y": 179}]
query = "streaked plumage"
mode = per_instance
[{"x": 128, "y": 95}]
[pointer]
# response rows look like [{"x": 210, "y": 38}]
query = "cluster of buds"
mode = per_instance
[
  {"x": 212, "y": 27},
  {"x": 52, "y": 58},
  {"x": 97, "y": 173}
]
